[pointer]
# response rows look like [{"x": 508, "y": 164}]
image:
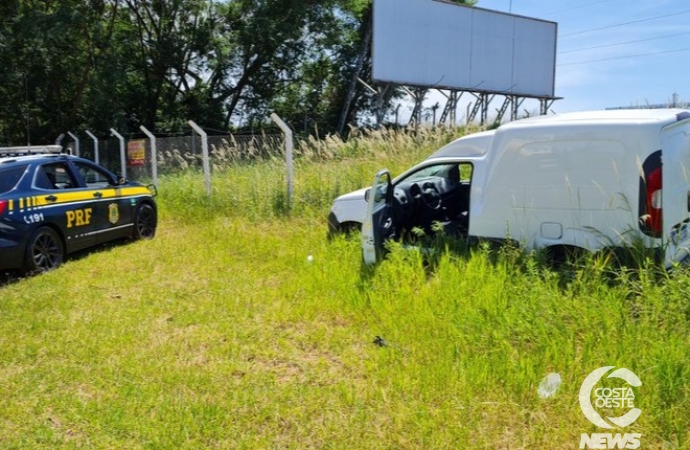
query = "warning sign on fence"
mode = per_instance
[{"x": 136, "y": 153}]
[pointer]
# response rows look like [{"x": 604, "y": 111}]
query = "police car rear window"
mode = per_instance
[{"x": 10, "y": 176}]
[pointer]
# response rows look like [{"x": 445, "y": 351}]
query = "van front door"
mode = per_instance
[{"x": 378, "y": 222}]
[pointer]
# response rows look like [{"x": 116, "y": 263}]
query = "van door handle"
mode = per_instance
[
  {"x": 97, "y": 194},
  {"x": 51, "y": 198}
]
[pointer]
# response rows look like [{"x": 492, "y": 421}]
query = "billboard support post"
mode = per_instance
[
  {"x": 449, "y": 113},
  {"x": 418, "y": 95},
  {"x": 517, "y": 103},
  {"x": 380, "y": 94},
  {"x": 481, "y": 107},
  {"x": 359, "y": 65},
  {"x": 546, "y": 104},
  {"x": 382, "y": 98}
]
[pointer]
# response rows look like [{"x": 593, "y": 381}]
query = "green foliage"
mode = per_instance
[
  {"x": 101, "y": 64},
  {"x": 46, "y": 61},
  {"x": 105, "y": 64}
]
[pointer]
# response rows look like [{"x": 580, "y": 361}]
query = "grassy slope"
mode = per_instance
[{"x": 220, "y": 333}]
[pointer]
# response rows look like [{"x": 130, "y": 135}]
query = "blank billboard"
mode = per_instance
[{"x": 433, "y": 43}]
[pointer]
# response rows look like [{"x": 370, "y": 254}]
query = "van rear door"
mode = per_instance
[{"x": 676, "y": 192}]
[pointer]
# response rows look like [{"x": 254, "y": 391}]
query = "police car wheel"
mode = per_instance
[
  {"x": 44, "y": 252},
  {"x": 144, "y": 222}
]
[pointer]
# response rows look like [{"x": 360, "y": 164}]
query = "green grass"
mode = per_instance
[{"x": 219, "y": 333}]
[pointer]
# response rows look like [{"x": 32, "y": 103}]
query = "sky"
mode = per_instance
[{"x": 612, "y": 53}]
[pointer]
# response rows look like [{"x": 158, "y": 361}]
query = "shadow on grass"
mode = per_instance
[
  {"x": 14, "y": 276},
  {"x": 9, "y": 277}
]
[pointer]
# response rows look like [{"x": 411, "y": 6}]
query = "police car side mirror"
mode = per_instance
[{"x": 116, "y": 181}]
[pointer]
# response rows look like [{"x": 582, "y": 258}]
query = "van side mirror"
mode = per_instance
[{"x": 378, "y": 194}]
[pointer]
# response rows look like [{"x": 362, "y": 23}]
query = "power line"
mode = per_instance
[
  {"x": 639, "y": 55},
  {"x": 624, "y": 43},
  {"x": 578, "y": 7},
  {"x": 591, "y": 30}
]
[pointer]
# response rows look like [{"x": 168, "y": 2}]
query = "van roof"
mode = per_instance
[
  {"x": 475, "y": 144},
  {"x": 600, "y": 117}
]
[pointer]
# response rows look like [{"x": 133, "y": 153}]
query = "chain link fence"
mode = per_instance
[{"x": 180, "y": 153}]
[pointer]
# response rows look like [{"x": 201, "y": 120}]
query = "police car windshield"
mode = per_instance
[{"x": 10, "y": 176}]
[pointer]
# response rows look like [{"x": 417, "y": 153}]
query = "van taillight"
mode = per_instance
[
  {"x": 651, "y": 184},
  {"x": 654, "y": 210}
]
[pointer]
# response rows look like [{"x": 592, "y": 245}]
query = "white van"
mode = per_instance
[{"x": 586, "y": 180}]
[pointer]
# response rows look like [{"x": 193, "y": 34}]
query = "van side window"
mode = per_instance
[{"x": 453, "y": 172}]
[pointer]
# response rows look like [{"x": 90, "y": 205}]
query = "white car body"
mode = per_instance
[
  {"x": 349, "y": 210},
  {"x": 585, "y": 180}
]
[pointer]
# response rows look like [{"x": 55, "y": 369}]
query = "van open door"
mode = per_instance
[
  {"x": 676, "y": 196},
  {"x": 378, "y": 222}
]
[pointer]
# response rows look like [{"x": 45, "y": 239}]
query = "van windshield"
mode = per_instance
[{"x": 10, "y": 176}]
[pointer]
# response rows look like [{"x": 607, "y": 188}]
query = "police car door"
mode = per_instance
[
  {"x": 378, "y": 221},
  {"x": 111, "y": 213},
  {"x": 66, "y": 203}
]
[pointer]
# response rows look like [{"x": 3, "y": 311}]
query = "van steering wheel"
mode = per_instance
[{"x": 428, "y": 194}]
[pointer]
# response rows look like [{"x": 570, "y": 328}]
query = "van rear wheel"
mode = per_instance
[{"x": 560, "y": 255}]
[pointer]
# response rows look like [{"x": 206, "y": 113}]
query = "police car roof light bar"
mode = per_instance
[{"x": 31, "y": 150}]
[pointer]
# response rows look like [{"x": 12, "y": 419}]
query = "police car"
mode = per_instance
[{"x": 52, "y": 204}]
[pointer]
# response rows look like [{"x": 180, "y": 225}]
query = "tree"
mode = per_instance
[
  {"x": 46, "y": 66},
  {"x": 97, "y": 64},
  {"x": 166, "y": 63}
]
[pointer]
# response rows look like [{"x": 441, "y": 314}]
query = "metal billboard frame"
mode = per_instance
[{"x": 494, "y": 53}]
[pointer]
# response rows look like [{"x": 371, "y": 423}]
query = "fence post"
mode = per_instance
[
  {"x": 154, "y": 154},
  {"x": 123, "y": 161},
  {"x": 204, "y": 153},
  {"x": 76, "y": 142},
  {"x": 288, "y": 156},
  {"x": 95, "y": 145}
]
